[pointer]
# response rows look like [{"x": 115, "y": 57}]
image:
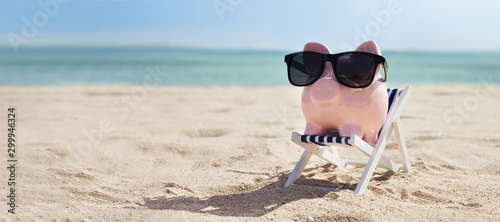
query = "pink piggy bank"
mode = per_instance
[{"x": 351, "y": 101}]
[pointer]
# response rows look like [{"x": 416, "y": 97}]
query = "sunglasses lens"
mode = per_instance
[
  {"x": 356, "y": 70},
  {"x": 304, "y": 68}
]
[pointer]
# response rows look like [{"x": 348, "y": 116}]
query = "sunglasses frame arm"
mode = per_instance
[{"x": 386, "y": 69}]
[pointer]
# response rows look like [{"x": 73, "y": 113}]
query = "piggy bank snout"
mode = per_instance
[{"x": 325, "y": 91}]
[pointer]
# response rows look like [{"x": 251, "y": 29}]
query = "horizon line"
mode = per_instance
[{"x": 181, "y": 47}]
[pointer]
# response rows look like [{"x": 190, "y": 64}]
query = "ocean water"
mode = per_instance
[{"x": 191, "y": 67}]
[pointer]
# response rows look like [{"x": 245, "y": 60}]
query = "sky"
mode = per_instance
[{"x": 425, "y": 25}]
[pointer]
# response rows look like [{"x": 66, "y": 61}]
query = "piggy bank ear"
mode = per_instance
[
  {"x": 316, "y": 47},
  {"x": 370, "y": 47}
]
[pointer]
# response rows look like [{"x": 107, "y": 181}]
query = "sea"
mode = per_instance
[{"x": 67, "y": 66}]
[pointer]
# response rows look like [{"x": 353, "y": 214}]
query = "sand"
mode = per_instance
[{"x": 127, "y": 153}]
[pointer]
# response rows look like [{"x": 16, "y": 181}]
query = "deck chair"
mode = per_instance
[{"x": 326, "y": 147}]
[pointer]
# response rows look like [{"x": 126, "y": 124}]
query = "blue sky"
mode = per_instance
[{"x": 426, "y": 25}]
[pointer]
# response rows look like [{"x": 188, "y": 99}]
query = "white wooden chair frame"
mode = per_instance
[{"x": 328, "y": 151}]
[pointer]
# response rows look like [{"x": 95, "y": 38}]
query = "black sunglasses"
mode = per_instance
[{"x": 352, "y": 69}]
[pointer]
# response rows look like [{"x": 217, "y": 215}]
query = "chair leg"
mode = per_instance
[
  {"x": 297, "y": 171},
  {"x": 367, "y": 149},
  {"x": 402, "y": 145},
  {"x": 370, "y": 167}
]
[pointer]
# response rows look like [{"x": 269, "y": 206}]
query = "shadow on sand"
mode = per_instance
[{"x": 251, "y": 202}]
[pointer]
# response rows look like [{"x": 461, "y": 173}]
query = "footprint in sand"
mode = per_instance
[
  {"x": 175, "y": 189},
  {"x": 94, "y": 196},
  {"x": 80, "y": 177},
  {"x": 470, "y": 204},
  {"x": 429, "y": 198},
  {"x": 206, "y": 133}
]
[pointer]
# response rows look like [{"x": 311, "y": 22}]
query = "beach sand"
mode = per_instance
[{"x": 127, "y": 153}]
